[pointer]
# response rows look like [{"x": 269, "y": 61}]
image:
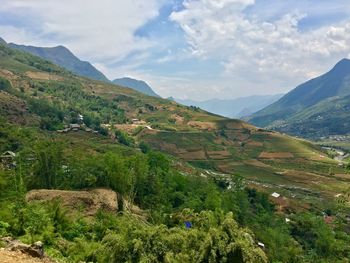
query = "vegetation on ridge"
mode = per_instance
[{"x": 195, "y": 213}]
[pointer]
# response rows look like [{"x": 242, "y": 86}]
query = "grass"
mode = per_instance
[{"x": 226, "y": 145}]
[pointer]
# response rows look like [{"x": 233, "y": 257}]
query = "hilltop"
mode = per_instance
[
  {"x": 63, "y": 57},
  {"x": 137, "y": 85},
  {"x": 314, "y": 109}
]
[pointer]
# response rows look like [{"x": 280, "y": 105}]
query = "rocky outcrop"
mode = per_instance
[{"x": 16, "y": 251}]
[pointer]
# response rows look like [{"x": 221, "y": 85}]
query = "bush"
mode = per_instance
[{"x": 5, "y": 85}]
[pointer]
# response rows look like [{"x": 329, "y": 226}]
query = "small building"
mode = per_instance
[
  {"x": 287, "y": 220},
  {"x": 275, "y": 195},
  {"x": 8, "y": 159},
  {"x": 74, "y": 126},
  {"x": 80, "y": 117},
  {"x": 8, "y": 155}
]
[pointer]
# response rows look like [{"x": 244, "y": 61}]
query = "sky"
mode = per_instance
[{"x": 191, "y": 49}]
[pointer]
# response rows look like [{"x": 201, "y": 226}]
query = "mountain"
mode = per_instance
[
  {"x": 235, "y": 108},
  {"x": 41, "y": 94},
  {"x": 215, "y": 171},
  {"x": 137, "y": 85},
  {"x": 318, "y": 105},
  {"x": 63, "y": 57},
  {"x": 2, "y": 41}
]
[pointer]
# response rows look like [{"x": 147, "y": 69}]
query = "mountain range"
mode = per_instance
[
  {"x": 234, "y": 108},
  {"x": 317, "y": 108},
  {"x": 138, "y": 85},
  {"x": 63, "y": 57},
  {"x": 39, "y": 94}
]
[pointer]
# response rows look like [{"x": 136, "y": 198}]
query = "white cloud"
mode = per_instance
[
  {"x": 258, "y": 45},
  {"x": 101, "y": 31},
  {"x": 255, "y": 53}
]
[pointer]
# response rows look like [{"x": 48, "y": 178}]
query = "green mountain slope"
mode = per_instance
[
  {"x": 309, "y": 101},
  {"x": 192, "y": 205},
  {"x": 137, "y": 85},
  {"x": 41, "y": 94},
  {"x": 62, "y": 56}
]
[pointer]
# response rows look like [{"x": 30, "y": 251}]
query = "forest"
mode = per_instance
[{"x": 189, "y": 218}]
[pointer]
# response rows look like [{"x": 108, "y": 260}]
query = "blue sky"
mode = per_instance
[{"x": 196, "y": 49}]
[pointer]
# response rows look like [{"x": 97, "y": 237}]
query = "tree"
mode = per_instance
[{"x": 47, "y": 169}]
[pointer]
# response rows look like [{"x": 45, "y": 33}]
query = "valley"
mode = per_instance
[{"x": 195, "y": 176}]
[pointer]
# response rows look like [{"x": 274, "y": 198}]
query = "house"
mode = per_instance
[
  {"x": 8, "y": 159},
  {"x": 275, "y": 195},
  {"x": 8, "y": 155},
  {"x": 80, "y": 117},
  {"x": 74, "y": 126}
]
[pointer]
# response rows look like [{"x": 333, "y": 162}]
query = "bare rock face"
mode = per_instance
[{"x": 35, "y": 250}]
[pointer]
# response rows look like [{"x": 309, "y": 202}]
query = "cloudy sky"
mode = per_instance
[{"x": 197, "y": 49}]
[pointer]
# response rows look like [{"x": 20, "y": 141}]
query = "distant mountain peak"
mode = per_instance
[
  {"x": 2, "y": 41},
  {"x": 342, "y": 65},
  {"x": 314, "y": 97},
  {"x": 63, "y": 57},
  {"x": 138, "y": 85}
]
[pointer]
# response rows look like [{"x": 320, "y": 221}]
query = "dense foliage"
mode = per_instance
[{"x": 191, "y": 218}]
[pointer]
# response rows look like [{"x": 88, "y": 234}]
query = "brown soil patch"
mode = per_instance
[
  {"x": 178, "y": 119},
  {"x": 238, "y": 125},
  {"x": 15, "y": 109},
  {"x": 195, "y": 155},
  {"x": 8, "y": 256},
  {"x": 255, "y": 144},
  {"x": 7, "y": 74},
  {"x": 43, "y": 76},
  {"x": 219, "y": 154},
  {"x": 257, "y": 163},
  {"x": 276, "y": 155},
  {"x": 201, "y": 125},
  {"x": 87, "y": 201},
  {"x": 342, "y": 176}
]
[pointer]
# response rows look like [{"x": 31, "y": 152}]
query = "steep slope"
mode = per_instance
[
  {"x": 235, "y": 108},
  {"x": 335, "y": 83},
  {"x": 62, "y": 56},
  {"x": 52, "y": 97},
  {"x": 137, "y": 85}
]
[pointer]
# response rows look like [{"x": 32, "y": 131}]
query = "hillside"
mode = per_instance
[
  {"x": 63, "y": 57},
  {"x": 137, "y": 85},
  {"x": 235, "y": 108},
  {"x": 205, "y": 197},
  {"x": 318, "y": 105},
  {"x": 47, "y": 96}
]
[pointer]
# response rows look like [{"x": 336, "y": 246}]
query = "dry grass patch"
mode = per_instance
[
  {"x": 43, "y": 76},
  {"x": 219, "y": 154},
  {"x": 276, "y": 155},
  {"x": 201, "y": 125}
]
